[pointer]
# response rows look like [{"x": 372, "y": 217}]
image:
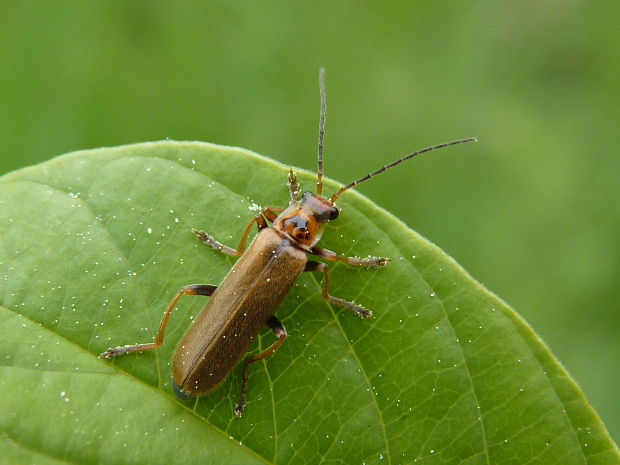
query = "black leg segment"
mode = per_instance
[{"x": 279, "y": 330}]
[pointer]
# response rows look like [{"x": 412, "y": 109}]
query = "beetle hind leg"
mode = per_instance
[
  {"x": 192, "y": 289},
  {"x": 279, "y": 330}
]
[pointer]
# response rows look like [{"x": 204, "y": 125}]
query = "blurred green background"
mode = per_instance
[{"x": 531, "y": 210}]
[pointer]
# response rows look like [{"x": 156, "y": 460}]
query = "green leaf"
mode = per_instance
[{"x": 96, "y": 243}]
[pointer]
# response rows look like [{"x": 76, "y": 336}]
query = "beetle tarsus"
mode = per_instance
[
  {"x": 370, "y": 262},
  {"x": 374, "y": 262},
  {"x": 363, "y": 312},
  {"x": 293, "y": 186},
  {"x": 359, "y": 310},
  {"x": 240, "y": 407},
  {"x": 380, "y": 261},
  {"x": 115, "y": 352},
  {"x": 206, "y": 238}
]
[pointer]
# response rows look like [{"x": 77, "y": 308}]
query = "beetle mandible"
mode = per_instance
[{"x": 259, "y": 281}]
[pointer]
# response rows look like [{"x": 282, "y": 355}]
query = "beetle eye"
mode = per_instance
[{"x": 333, "y": 213}]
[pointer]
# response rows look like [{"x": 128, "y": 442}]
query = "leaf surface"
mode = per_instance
[{"x": 96, "y": 243}]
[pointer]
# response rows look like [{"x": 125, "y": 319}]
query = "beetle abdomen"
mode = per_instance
[{"x": 235, "y": 314}]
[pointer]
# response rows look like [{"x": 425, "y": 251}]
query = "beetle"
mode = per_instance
[{"x": 260, "y": 280}]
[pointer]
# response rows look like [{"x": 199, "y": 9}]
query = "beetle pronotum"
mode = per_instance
[{"x": 259, "y": 281}]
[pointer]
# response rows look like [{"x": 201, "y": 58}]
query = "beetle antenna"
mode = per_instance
[
  {"x": 319, "y": 178},
  {"x": 397, "y": 162}
]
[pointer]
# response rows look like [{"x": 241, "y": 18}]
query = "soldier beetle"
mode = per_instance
[{"x": 260, "y": 280}]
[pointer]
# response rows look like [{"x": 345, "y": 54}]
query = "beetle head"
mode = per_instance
[{"x": 304, "y": 220}]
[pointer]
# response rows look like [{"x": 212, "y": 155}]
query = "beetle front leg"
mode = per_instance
[
  {"x": 268, "y": 214},
  {"x": 293, "y": 186},
  {"x": 279, "y": 330},
  {"x": 322, "y": 267},
  {"x": 354, "y": 261},
  {"x": 193, "y": 289}
]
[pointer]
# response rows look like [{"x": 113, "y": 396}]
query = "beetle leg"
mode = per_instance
[
  {"x": 268, "y": 214},
  {"x": 203, "y": 236},
  {"x": 279, "y": 330},
  {"x": 322, "y": 267},
  {"x": 293, "y": 185},
  {"x": 354, "y": 261},
  {"x": 271, "y": 212},
  {"x": 192, "y": 289}
]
